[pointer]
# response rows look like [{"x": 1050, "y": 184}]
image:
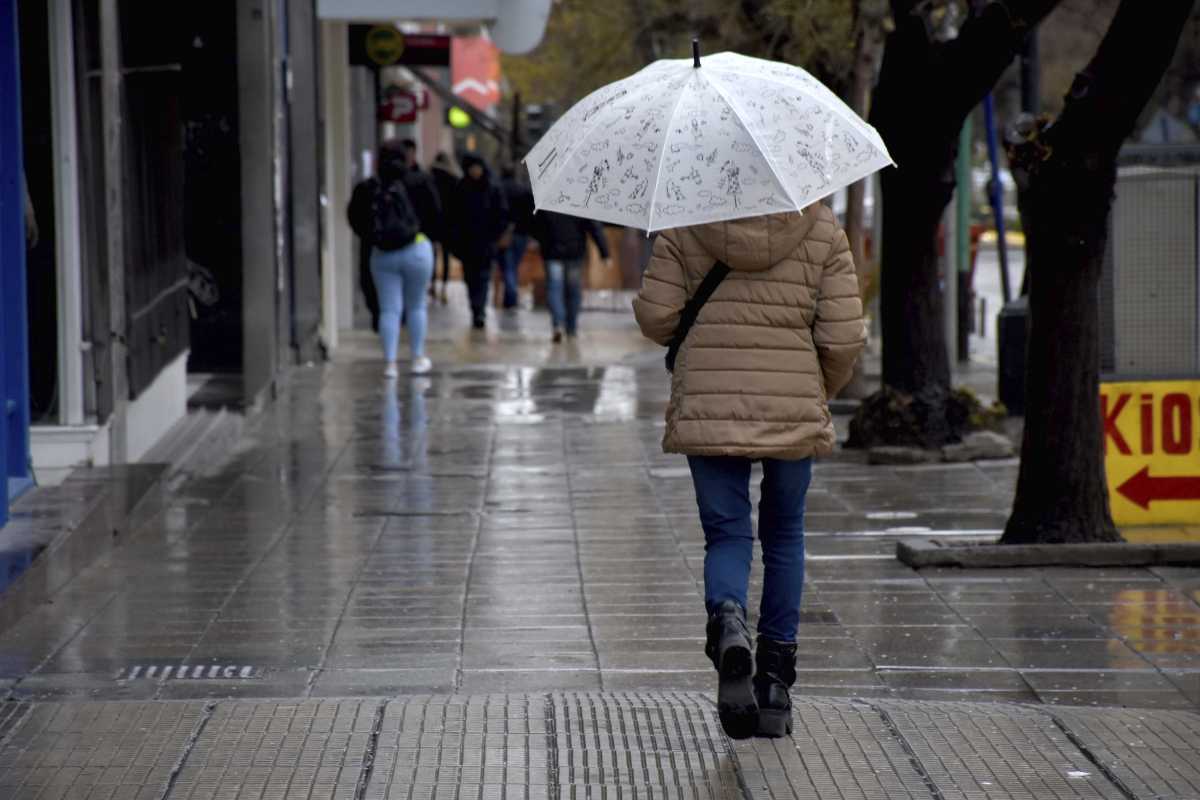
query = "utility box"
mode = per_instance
[
  {"x": 1012, "y": 333},
  {"x": 1150, "y": 295}
]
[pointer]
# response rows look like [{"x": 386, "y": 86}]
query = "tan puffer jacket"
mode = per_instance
[{"x": 776, "y": 339}]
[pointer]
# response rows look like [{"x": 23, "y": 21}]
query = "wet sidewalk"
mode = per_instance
[{"x": 501, "y": 565}]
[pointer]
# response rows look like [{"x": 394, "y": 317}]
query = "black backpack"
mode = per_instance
[{"x": 394, "y": 222}]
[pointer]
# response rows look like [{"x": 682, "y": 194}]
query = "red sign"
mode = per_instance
[
  {"x": 398, "y": 106},
  {"x": 475, "y": 70}
]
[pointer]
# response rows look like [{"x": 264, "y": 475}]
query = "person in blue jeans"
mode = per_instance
[
  {"x": 401, "y": 254},
  {"x": 563, "y": 242},
  {"x": 752, "y": 376},
  {"x": 519, "y": 197},
  {"x": 401, "y": 277}
]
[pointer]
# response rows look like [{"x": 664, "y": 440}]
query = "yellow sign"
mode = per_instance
[
  {"x": 385, "y": 45},
  {"x": 1152, "y": 451}
]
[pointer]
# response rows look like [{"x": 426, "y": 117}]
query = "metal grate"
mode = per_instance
[{"x": 1152, "y": 304}]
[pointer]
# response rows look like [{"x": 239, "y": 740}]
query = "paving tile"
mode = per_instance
[
  {"x": 529, "y": 680},
  {"x": 383, "y": 682},
  {"x": 995, "y": 751},
  {"x": 263, "y": 749},
  {"x": 1152, "y": 753},
  {"x": 97, "y": 749}
]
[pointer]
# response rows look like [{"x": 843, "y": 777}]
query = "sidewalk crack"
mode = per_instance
[
  {"x": 368, "y": 764},
  {"x": 552, "y": 774},
  {"x": 915, "y": 760},
  {"x": 188, "y": 746},
  {"x": 1090, "y": 756}
]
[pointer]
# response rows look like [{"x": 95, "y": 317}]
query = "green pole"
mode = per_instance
[
  {"x": 963, "y": 232},
  {"x": 965, "y": 141}
]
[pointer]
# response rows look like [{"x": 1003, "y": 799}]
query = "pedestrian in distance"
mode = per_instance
[
  {"x": 446, "y": 175},
  {"x": 754, "y": 367},
  {"x": 520, "y": 209},
  {"x": 563, "y": 241},
  {"x": 480, "y": 220},
  {"x": 383, "y": 215}
]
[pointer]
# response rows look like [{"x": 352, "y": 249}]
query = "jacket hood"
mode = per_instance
[
  {"x": 754, "y": 244},
  {"x": 392, "y": 164},
  {"x": 469, "y": 159}
]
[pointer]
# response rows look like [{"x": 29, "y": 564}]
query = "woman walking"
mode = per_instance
[
  {"x": 563, "y": 241},
  {"x": 382, "y": 214},
  {"x": 777, "y": 337}
]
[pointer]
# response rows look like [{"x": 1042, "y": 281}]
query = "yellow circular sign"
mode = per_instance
[{"x": 385, "y": 45}]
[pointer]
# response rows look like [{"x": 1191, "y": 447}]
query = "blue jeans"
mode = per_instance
[
  {"x": 510, "y": 264},
  {"x": 401, "y": 277},
  {"x": 564, "y": 292},
  {"x": 723, "y": 495}
]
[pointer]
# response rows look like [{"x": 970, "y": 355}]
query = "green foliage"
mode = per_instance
[{"x": 589, "y": 44}]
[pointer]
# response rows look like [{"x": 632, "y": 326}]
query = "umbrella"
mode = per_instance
[{"x": 684, "y": 143}]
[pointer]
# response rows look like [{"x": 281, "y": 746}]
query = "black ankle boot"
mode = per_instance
[
  {"x": 728, "y": 647},
  {"x": 774, "y": 675}
]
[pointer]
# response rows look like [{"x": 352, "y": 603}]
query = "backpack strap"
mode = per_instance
[{"x": 687, "y": 317}]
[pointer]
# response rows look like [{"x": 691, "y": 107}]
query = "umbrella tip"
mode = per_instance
[{"x": 696, "y": 53}]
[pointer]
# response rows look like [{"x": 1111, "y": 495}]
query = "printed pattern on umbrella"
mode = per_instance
[{"x": 673, "y": 145}]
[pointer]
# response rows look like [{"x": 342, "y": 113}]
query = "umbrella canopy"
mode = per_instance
[{"x": 679, "y": 144}]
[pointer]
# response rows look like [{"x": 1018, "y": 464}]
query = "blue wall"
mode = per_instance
[{"x": 14, "y": 364}]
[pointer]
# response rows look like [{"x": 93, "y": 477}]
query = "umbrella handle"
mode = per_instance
[{"x": 696, "y": 53}]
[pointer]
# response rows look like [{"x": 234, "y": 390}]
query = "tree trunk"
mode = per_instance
[
  {"x": 1066, "y": 174},
  {"x": 1062, "y": 491},
  {"x": 914, "y": 341},
  {"x": 926, "y": 90}
]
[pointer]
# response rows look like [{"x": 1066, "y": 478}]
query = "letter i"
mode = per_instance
[{"x": 1147, "y": 408}]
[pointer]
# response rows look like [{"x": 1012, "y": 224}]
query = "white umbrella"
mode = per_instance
[{"x": 684, "y": 142}]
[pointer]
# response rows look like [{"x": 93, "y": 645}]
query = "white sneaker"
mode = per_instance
[
  {"x": 422, "y": 366},
  {"x": 390, "y": 371}
]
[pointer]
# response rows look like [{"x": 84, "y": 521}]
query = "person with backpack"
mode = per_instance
[
  {"x": 480, "y": 221},
  {"x": 763, "y": 322},
  {"x": 383, "y": 216},
  {"x": 423, "y": 192}
]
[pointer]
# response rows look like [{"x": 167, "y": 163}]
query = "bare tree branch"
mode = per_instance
[
  {"x": 988, "y": 43},
  {"x": 1109, "y": 94}
]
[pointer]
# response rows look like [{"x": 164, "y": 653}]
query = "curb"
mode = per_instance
[{"x": 918, "y": 553}]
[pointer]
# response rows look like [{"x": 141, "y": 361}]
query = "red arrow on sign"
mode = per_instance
[{"x": 1143, "y": 489}]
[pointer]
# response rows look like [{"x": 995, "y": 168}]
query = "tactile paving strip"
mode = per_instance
[
  {"x": 643, "y": 745},
  {"x": 311, "y": 749},
  {"x": 987, "y": 751},
  {"x": 1154, "y": 754},
  {"x": 97, "y": 750},
  {"x": 839, "y": 750},
  {"x": 492, "y": 747}
]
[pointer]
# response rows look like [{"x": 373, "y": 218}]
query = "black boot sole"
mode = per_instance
[
  {"x": 736, "y": 705},
  {"x": 773, "y": 723}
]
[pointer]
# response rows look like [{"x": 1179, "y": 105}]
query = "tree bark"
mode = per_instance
[
  {"x": 1066, "y": 174},
  {"x": 926, "y": 89}
]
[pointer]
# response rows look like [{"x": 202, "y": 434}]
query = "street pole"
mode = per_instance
[
  {"x": 114, "y": 171},
  {"x": 950, "y": 277},
  {"x": 516, "y": 141},
  {"x": 965, "y": 141},
  {"x": 996, "y": 193}
]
